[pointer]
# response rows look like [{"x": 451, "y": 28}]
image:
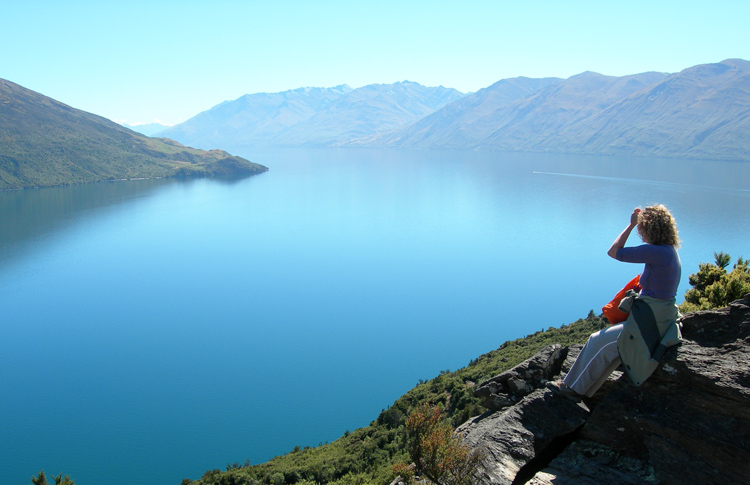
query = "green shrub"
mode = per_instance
[
  {"x": 41, "y": 479},
  {"x": 713, "y": 287},
  {"x": 437, "y": 453}
]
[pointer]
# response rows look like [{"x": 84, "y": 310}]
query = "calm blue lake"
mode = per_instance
[{"x": 151, "y": 330}]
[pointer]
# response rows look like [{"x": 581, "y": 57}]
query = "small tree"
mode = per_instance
[
  {"x": 41, "y": 479},
  {"x": 722, "y": 259},
  {"x": 436, "y": 452},
  {"x": 713, "y": 287}
]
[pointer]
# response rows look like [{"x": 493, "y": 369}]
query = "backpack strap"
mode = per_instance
[{"x": 646, "y": 321}]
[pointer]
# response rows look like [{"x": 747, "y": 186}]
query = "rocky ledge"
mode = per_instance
[{"x": 689, "y": 423}]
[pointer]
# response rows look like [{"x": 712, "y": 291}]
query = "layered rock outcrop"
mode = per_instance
[{"x": 689, "y": 423}]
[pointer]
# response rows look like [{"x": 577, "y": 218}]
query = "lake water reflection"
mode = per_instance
[{"x": 152, "y": 330}]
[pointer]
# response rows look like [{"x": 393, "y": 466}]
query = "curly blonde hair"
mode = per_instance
[{"x": 656, "y": 225}]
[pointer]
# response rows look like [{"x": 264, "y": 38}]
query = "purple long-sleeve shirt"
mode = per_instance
[{"x": 661, "y": 275}]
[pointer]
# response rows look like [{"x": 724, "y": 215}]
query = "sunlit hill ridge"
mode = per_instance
[{"x": 44, "y": 142}]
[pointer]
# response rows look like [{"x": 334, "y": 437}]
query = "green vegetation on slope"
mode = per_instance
[
  {"x": 713, "y": 287},
  {"x": 44, "y": 142},
  {"x": 367, "y": 455}
]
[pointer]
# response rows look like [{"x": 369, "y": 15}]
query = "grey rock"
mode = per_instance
[
  {"x": 511, "y": 386},
  {"x": 511, "y": 438},
  {"x": 588, "y": 462},
  {"x": 689, "y": 422},
  {"x": 516, "y": 385}
]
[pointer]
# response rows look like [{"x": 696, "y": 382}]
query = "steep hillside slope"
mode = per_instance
[
  {"x": 700, "y": 112},
  {"x": 520, "y": 123},
  {"x": 544, "y": 119},
  {"x": 458, "y": 125},
  {"x": 44, "y": 142}
]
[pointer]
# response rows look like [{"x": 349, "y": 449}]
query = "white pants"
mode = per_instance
[{"x": 598, "y": 358}]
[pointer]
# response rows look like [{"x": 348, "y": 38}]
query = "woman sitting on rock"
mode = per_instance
[{"x": 652, "y": 324}]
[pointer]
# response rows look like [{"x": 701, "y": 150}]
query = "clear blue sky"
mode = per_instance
[{"x": 141, "y": 61}]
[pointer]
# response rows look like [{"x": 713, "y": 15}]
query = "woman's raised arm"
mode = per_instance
[{"x": 623, "y": 237}]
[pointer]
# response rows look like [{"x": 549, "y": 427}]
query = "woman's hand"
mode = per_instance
[
  {"x": 634, "y": 217},
  {"x": 623, "y": 237}
]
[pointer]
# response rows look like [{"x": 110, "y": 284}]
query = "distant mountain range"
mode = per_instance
[
  {"x": 312, "y": 116},
  {"x": 44, "y": 142},
  {"x": 148, "y": 129},
  {"x": 455, "y": 125},
  {"x": 700, "y": 112}
]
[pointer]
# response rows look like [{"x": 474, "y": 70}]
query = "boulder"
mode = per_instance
[
  {"x": 512, "y": 438},
  {"x": 512, "y": 386}
]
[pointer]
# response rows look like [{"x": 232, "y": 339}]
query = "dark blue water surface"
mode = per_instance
[{"x": 151, "y": 330}]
